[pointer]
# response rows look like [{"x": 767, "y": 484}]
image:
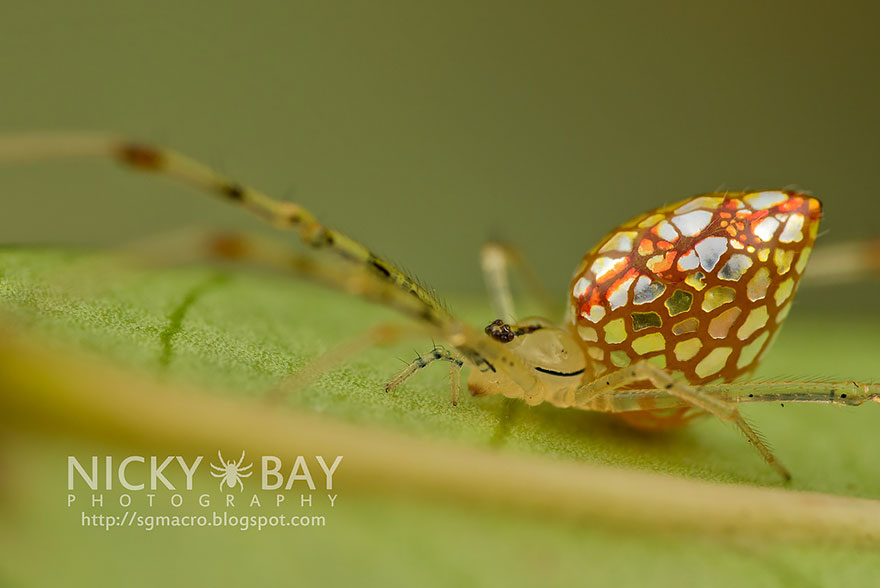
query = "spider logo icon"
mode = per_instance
[{"x": 231, "y": 472}]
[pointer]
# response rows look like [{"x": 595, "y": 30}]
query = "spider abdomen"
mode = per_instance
[{"x": 700, "y": 287}]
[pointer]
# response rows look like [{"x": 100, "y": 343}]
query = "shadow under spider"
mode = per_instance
[{"x": 593, "y": 434}]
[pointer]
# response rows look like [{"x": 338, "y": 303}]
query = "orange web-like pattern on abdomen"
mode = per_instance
[{"x": 699, "y": 287}]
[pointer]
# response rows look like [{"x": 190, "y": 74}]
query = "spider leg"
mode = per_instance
[
  {"x": 379, "y": 336},
  {"x": 366, "y": 275},
  {"x": 848, "y": 261},
  {"x": 482, "y": 352},
  {"x": 829, "y": 392},
  {"x": 495, "y": 259},
  {"x": 833, "y": 392},
  {"x": 176, "y": 166},
  {"x": 239, "y": 462},
  {"x": 218, "y": 475},
  {"x": 613, "y": 383},
  {"x": 436, "y": 354}
]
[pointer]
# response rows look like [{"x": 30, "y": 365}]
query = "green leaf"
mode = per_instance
[{"x": 240, "y": 334}]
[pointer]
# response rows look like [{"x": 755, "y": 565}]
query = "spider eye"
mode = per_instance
[{"x": 500, "y": 331}]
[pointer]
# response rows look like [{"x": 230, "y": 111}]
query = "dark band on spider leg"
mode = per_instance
[
  {"x": 476, "y": 359},
  {"x": 287, "y": 215},
  {"x": 227, "y": 247},
  {"x": 233, "y": 191},
  {"x": 291, "y": 216},
  {"x": 380, "y": 267},
  {"x": 437, "y": 354},
  {"x": 526, "y": 329},
  {"x": 323, "y": 237},
  {"x": 141, "y": 156}
]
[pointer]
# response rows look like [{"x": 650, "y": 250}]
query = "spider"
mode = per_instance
[
  {"x": 666, "y": 314},
  {"x": 230, "y": 472}
]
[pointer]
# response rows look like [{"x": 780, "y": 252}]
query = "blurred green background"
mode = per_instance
[{"x": 425, "y": 129}]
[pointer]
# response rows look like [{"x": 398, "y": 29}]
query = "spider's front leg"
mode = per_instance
[
  {"x": 436, "y": 354},
  {"x": 361, "y": 272},
  {"x": 617, "y": 381},
  {"x": 469, "y": 344},
  {"x": 383, "y": 335}
]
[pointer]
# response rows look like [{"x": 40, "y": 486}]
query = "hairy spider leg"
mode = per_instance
[
  {"x": 688, "y": 295},
  {"x": 495, "y": 259},
  {"x": 391, "y": 287},
  {"x": 823, "y": 391},
  {"x": 833, "y": 264},
  {"x": 380, "y": 336},
  {"x": 365, "y": 285},
  {"x": 609, "y": 383},
  {"x": 480, "y": 351},
  {"x": 262, "y": 251},
  {"x": 436, "y": 354},
  {"x": 169, "y": 163}
]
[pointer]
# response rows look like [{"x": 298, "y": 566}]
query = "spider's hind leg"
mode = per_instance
[{"x": 589, "y": 396}]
